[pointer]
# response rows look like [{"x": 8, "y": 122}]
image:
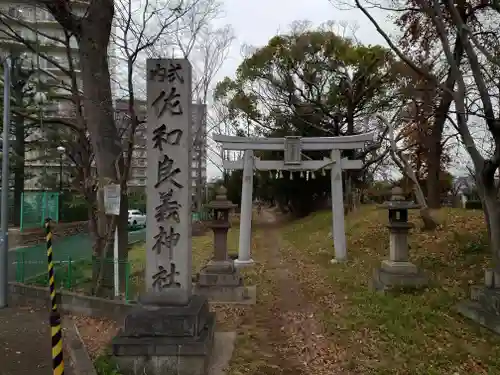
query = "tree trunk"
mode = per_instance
[
  {"x": 19, "y": 151},
  {"x": 491, "y": 208},
  {"x": 123, "y": 240},
  {"x": 98, "y": 109},
  {"x": 434, "y": 146},
  {"x": 434, "y": 169}
]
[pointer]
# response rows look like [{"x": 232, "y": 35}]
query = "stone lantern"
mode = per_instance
[
  {"x": 398, "y": 271},
  {"x": 219, "y": 280}
]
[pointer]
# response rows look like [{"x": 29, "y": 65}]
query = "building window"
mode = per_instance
[
  {"x": 26, "y": 13},
  {"x": 43, "y": 15},
  {"x": 14, "y": 12},
  {"x": 139, "y": 172}
]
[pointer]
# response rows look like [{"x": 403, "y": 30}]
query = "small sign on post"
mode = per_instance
[{"x": 112, "y": 196}]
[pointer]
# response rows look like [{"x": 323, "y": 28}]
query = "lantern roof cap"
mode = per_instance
[
  {"x": 398, "y": 202},
  {"x": 221, "y": 202}
]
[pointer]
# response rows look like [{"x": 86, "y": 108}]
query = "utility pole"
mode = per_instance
[{"x": 4, "y": 216}]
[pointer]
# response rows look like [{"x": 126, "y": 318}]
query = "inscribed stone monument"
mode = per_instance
[
  {"x": 168, "y": 233},
  {"x": 171, "y": 330}
]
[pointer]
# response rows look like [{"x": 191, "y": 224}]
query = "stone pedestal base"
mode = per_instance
[
  {"x": 399, "y": 268},
  {"x": 220, "y": 283},
  {"x": 166, "y": 340},
  {"x": 224, "y": 294},
  {"x": 483, "y": 307},
  {"x": 243, "y": 263},
  {"x": 398, "y": 275}
]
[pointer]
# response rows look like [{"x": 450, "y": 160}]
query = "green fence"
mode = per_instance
[
  {"x": 31, "y": 261},
  {"x": 204, "y": 215},
  {"x": 36, "y": 206},
  {"x": 75, "y": 275}
]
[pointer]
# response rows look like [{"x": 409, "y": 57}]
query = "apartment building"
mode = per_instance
[
  {"x": 139, "y": 155},
  {"x": 27, "y": 20},
  {"x": 32, "y": 23},
  {"x": 35, "y": 24}
]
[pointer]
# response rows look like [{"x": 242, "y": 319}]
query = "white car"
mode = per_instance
[{"x": 136, "y": 218}]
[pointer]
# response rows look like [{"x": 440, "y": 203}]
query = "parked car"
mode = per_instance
[{"x": 136, "y": 218}]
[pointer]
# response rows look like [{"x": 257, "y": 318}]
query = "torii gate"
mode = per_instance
[{"x": 292, "y": 146}]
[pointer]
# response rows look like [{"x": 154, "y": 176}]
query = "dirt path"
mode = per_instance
[{"x": 287, "y": 337}]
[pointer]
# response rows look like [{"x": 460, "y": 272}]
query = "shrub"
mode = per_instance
[
  {"x": 473, "y": 205},
  {"x": 74, "y": 207}
]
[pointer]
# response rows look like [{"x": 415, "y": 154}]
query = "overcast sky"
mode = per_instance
[{"x": 257, "y": 21}]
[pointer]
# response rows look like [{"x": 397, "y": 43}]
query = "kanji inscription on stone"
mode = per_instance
[{"x": 169, "y": 141}]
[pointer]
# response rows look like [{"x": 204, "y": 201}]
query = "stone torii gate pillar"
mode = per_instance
[
  {"x": 292, "y": 147},
  {"x": 245, "y": 241},
  {"x": 338, "y": 225}
]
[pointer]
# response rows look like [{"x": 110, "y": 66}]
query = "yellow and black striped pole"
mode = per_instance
[
  {"x": 55, "y": 317},
  {"x": 52, "y": 280}
]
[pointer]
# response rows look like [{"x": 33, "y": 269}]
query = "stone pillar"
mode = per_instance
[
  {"x": 338, "y": 225},
  {"x": 220, "y": 280},
  {"x": 398, "y": 271},
  {"x": 463, "y": 200},
  {"x": 245, "y": 244},
  {"x": 171, "y": 330}
]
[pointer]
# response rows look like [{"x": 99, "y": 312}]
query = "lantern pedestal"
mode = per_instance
[
  {"x": 398, "y": 271},
  {"x": 398, "y": 275},
  {"x": 223, "y": 285},
  {"x": 220, "y": 280}
]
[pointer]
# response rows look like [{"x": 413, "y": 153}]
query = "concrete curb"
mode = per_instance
[
  {"x": 224, "y": 343},
  {"x": 80, "y": 360},
  {"x": 71, "y": 302}
]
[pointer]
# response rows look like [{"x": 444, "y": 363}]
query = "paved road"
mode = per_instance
[
  {"x": 34, "y": 258},
  {"x": 26, "y": 342}
]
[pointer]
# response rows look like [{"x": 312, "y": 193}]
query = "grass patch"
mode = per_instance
[
  {"x": 202, "y": 251},
  {"x": 414, "y": 333},
  {"x": 105, "y": 365},
  {"x": 78, "y": 275}
]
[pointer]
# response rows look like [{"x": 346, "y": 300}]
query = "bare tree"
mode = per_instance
[
  {"x": 480, "y": 43},
  {"x": 68, "y": 127},
  {"x": 401, "y": 160},
  {"x": 207, "y": 49},
  {"x": 96, "y": 133}
]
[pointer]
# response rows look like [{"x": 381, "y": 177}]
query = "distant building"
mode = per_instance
[
  {"x": 33, "y": 23},
  {"x": 39, "y": 27}
]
